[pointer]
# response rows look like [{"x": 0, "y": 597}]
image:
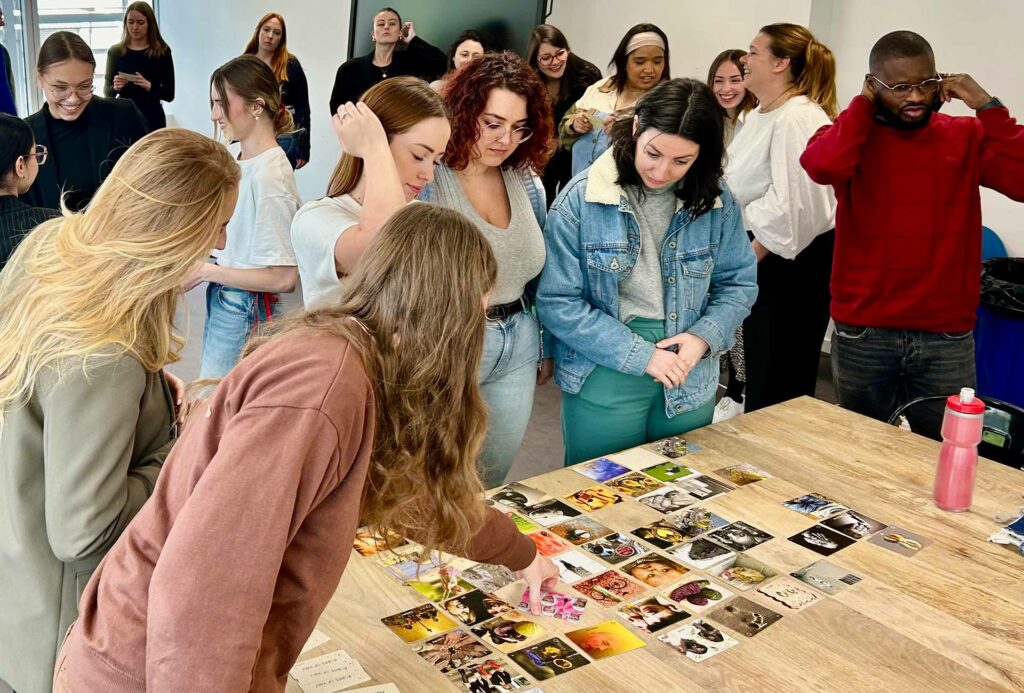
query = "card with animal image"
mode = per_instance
[
  {"x": 508, "y": 632},
  {"x": 548, "y": 659},
  {"x": 515, "y": 496},
  {"x": 476, "y": 607},
  {"x": 593, "y": 498},
  {"x": 369, "y": 542},
  {"x": 609, "y": 588},
  {"x": 419, "y": 622},
  {"x": 489, "y": 676},
  {"x": 667, "y": 499},
  {"x": 547, "y": 543},
  {"x": 668, "y": 471},
  {"x": 522, "y": 524},
  {"x": 695, "y": 520},
  {"x": 580, "y": 530},
  {"x": 453, "y": 650},
  {"x": 815, "y": 505},
  {"x": 702, "y": 487},
  {"x": 827, "y": 577},
  {"x": 574, "y": 566},
  {"x": 600, "y": 470},
  {"x": 823, "y": 540},
  {"x": 672, "y": 448},
  {"x": 635, "y": 484},
  {"x": 743, "y": 572},
  {"x": 605, "y": 640},
  {"x": 854, "y": 524},
  {"x": 655, "y": 570},
  {"x": 744, "y": 616},
  {"x": 699, "y": 640},
  {"x": 699, "y": 594},
  {"x": 790, "y": 593},
  {"x": 439, "y": 585},
  {"x": 550, "y": 512},
  {"x": 488, "y": 578},
  {"x": 556, "y": 605},
  {"x": 652, "y": 614},
  {"x": 743, "y": 474},
  {"x": 901, "y": 541},
  {"x": 615, "y": 548},
  {"x": 701, "y": 553},
  {"x": 739, "y": 536}
]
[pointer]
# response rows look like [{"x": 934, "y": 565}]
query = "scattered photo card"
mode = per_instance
[
  {"x": 522, "y": 524},
  {"x": 821, "y": 540},
  {"x": 744, "y": 616},
  {"x": 663, "y": 534},
  {"x": 440, "y": 585},
  {"x": 635, "y": 484},
  {"x": 508, "y": 632},
  {"x": 580, "y": 530},
  {"x": 699, "y": 640},
  {"x": 672, "y": 448},
  {"x": 740, "y": 536},
  {"x": 667, "y": 500},
  {"x": 547, "y": 543},
  {"x": 516, "y": 496},
  {"x": 901, "y": 541},
  {"x": 405, "y": 567},
  {"x": 418, "y": 623},
  {"x": 452, "y": 651},
  {"x": 556, "y": 605},
  {"x": 668, "y": 471},
  {"x": 609, "y": 588},
  {"x": 476, "y": 607},
  {"x": 699, "y": 594},
  {"x": 491, "y": 676},
  {"x": 655, "y": 570},
  {"x": 743, "y": 474},
  {"x": 790, "y": 593},
  {"x": 548, "y": 659},
  {"x": 652, "y": 614},
  {"x": 827, "y": 577},
  {"x": 368, "y": 542},
  {"x": 593, "y": 498},
  {"x": 615, "y": 548},
  {"x": 574, "y": 566},
  {"x": 854, "y": 525},
  {"x": 815, "y": 505},
  {"x": 605, "y": 639},
  {"x": 550, "y": 512},
  {"x": 702, "y": 487},
  {"x": 488, "y": 578},
  {"x": 743, "y": 572},
  {"x": 695, "y": 520},
  {"x": 600, "y": 470},
  {"x": 701, "y": 554}
]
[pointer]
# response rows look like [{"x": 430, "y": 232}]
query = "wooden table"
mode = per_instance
[{"x": 949, "y": 619}]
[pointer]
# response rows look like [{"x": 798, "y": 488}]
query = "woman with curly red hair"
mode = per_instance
[{"x": 501, "y": 125}]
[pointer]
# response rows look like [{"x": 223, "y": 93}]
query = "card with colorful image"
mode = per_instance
[
  {"x": 700, "y": 594},
  {"x": 476, "y": 607},
  {"x": 550, "y": 512},
  {"x": 635, "y": 484},
  {"x": 605, "y": 639},
  {"x": 827, "y": 577},
  {"x": 556, "y": 605},
  {"x": 854, "y": 524},
  {"x": 702, "y": 487},
  {"x": 743, "y": 572},
  {"x": 489, "y": 676},
  {"x": 522, "y": 524},
  {"x": 548, "y": 658},
  {"x": 508, "y": 632},
  {"x": 574, "y": 566},
  {"x": 901, "y": 541},
  {"x": 701, "y": 553},
  {"x": 419, "y": 622},
  {"x": 488, "y": 578},
  {"x": 609, "y": 588},
  {"x": 667, "y": 499},
  {"x": 696, "y": 520},
  {"x": 815, "y": 505},
  {"x": 739, "y": 536},
  {"x": 580, "y": 530},
  {"x": 672, "y": 448},
  {"x": 615, "y": 548},
  {"x": 515, "y": 496},
  {"x": 790, "y": 593},
  {"x": 822, "y": 540},
  {"x": 699, "y": 640},
  {"x": 453, "y": 650},
  {"x": 652, "y": 614},
  {"x": 744, "y": 616},
  {"x": 547, "y": 543},
  {"x": 407, "y": 566},
  {"x": 655, "y": 570},
  {"x": 368, "y": 542},
  {"x": 743, "y": 474},
  {"x": 593, "y": 498},
  {"x": 600, "y": 470},
  {"x": 661, "y": 534},
  {"x": 439, "y": 585},
  {"x": 668, "y": 471}
]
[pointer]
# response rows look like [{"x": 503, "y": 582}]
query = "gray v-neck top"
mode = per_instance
[{"x": 642, "y": 294}]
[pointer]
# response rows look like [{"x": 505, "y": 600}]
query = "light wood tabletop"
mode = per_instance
[{"x": 950, "y": 618}]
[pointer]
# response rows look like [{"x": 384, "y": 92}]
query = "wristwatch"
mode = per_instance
[{"x": 993, "y": 103}]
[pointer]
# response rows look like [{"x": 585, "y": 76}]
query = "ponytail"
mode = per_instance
[
  {"x": 811, "y": 64},
  {"x": 284, "y": 124}
]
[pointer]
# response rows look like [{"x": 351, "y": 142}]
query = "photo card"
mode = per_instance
[
  {"x": 605, "y": 640},
  {"x": 827, "y": 577},
  {"x": 821, "y": 539},
  {"x": 744, "y": 616},
  {"x": 698, "y": 640},
  {"x": 652, "y": 614}
]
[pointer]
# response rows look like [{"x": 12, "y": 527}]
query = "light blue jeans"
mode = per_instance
[
  {"x": 231, "y": 315},
  {"x": 508, "y": 377}
]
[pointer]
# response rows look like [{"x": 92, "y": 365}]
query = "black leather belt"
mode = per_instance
[{"x": 506, "y": 310}]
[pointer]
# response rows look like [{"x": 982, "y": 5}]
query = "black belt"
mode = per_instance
[{"x": 506, "y": 310}]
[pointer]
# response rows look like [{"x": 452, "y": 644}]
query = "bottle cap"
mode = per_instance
[{"x": 965, "y": 402}]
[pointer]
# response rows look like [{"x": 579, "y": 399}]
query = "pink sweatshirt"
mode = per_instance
[{"x": 219, "y": 580}]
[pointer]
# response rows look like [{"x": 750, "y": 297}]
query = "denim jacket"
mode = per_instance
[{"x": 593, "y": 241}]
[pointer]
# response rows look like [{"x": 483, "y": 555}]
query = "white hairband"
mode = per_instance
[{"x": 644, "y": 38}]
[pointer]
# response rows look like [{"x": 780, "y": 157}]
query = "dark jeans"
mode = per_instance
[{"x": 878, "y": 369}]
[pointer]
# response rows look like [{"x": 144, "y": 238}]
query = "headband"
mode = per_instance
[{"x": 644, "y": 38}]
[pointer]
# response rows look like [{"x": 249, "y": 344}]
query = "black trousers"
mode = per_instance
[{"x": 785, "y": 329}]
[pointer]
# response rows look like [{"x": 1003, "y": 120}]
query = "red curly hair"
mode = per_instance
[{"x": 466, "y": 97}]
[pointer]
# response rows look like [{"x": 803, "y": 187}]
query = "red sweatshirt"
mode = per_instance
[
  {"x": 908, "y": 225},
  {"x": 219, "y": 580}
]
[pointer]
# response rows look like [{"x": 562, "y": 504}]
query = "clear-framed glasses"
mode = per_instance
[
  {"x": 549, "y": 58},
  {"x": 926, "y": 87},
  {"x": 496, "y": 131},
  {"x": 83, "y": 92},
  {"x": 40, "y": 153}
]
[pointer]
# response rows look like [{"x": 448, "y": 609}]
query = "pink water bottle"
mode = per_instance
[{"x": 958, "y": 458}]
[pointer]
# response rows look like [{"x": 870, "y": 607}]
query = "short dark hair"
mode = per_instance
[
  {"x": 683, "y": 107},
  {"x": 899, "y": 44},
  {"x": 618, "y": 60},
  {"x": 15, "y": 140},
  {"x": 467, "y": 35}
]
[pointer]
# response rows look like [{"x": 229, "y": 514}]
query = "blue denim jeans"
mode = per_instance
[
  {"x": 508, "y": 378},
  {"x": 231, "y": 315},
  {"x": 877, "y": 369}
]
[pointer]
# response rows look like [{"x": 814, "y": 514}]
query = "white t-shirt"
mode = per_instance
[
  {"x": 781, "y": 205},
  {"x": 316, "y": 229},
  {"x": 258, "y": 233}
]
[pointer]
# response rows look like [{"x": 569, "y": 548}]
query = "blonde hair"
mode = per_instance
[
  {"x": 109, "y": 278},
  {"x": 279, "y": 61},
  {"x": 811, "y": 64},
  {"x": 253, "y": 80},
  {"x": 430, "y": 417}
]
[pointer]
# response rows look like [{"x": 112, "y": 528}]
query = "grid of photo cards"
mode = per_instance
[{"x": 684, "y": 580}]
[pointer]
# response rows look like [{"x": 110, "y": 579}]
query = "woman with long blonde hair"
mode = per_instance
[
  {"x": 87, "y": 303},
  {"x": 367, "y": 411}
]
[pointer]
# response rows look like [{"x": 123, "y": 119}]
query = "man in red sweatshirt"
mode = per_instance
[{"x": 907, "y": 263}]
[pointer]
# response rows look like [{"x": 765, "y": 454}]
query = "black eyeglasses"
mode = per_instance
[{"x": 926, "y": 87}]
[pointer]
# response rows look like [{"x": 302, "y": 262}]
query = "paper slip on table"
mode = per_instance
[{"x": 936, "y": 606}]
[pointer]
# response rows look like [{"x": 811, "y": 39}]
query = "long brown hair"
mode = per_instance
[
  {"x": 251, "y": 79},
  {"x": 430, "y": 417},
  {"x": 811, "y": 64},
  {"x": 748, "y": 101},
  {"x": 399, "y": 103},
  {"x": 157, "y": 45},
  {"x": 578, "y": 73},
  {"x": 279, "y": 61}
]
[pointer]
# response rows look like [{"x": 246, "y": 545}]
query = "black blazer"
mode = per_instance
[{"x": 114, "y": 125}]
